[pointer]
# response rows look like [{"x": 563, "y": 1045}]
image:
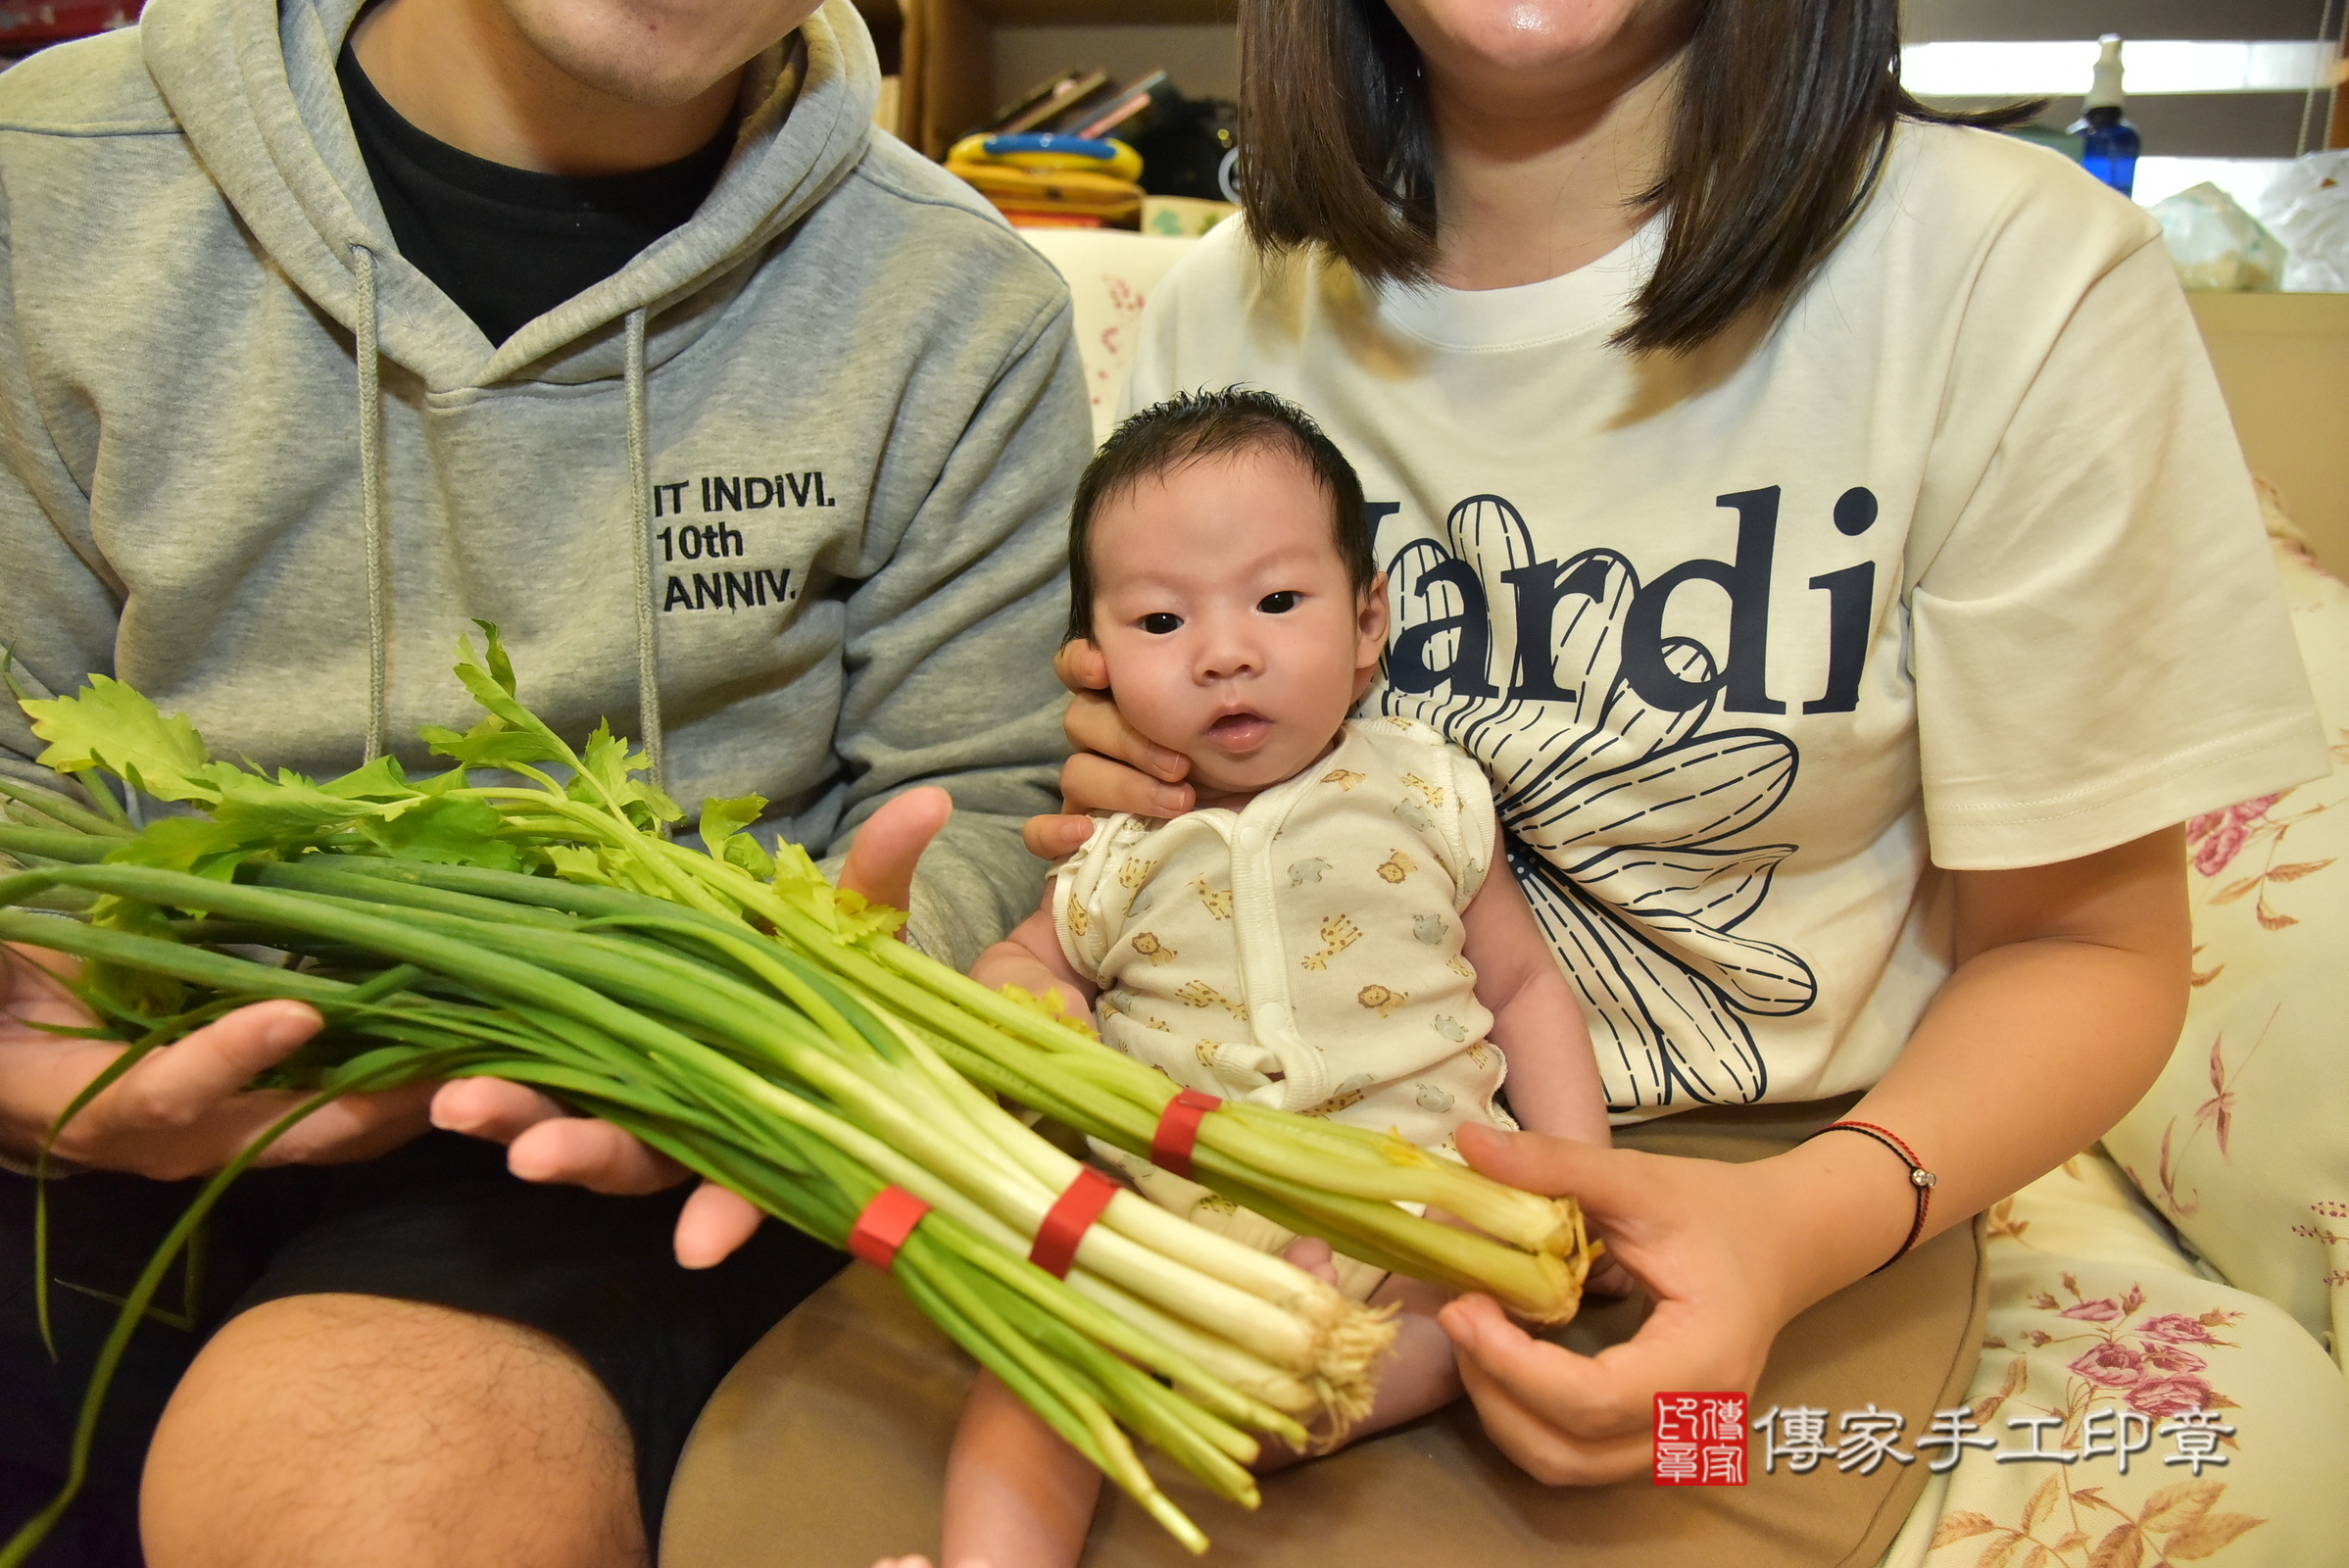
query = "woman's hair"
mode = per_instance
[
  {"x": 1191, "y": 426},
  {"x": 1785, "y": 112}
]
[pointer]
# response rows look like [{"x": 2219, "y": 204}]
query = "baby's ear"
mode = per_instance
[
  {"x": 1370, "y": 615},
  {"x": 1370, "y": 627}
]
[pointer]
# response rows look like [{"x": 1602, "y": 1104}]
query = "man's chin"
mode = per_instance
[{"x": 600, "y": 46}]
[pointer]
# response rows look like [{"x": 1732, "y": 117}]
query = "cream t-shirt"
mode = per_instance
[{"x": 1958, "y": 566}]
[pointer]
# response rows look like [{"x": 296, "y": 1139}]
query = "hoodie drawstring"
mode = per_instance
[
  {"x": 370, "y": 480},
  {"x": 371, "y": 483},
  {"x": 640, "y": 546}
]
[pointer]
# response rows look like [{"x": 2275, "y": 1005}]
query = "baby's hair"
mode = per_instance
[{"x": 1193, "y": 426}]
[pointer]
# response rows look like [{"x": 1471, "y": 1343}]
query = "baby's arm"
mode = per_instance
[
  {"x": 1031, "y": 958},
  {"x": 1537, "y": 1018}
]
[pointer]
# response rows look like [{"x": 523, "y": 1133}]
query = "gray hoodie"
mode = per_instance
[{"x": 808, "y": 457}]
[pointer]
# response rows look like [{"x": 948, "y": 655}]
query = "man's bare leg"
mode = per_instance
[{"x": 350, "y": 1431}]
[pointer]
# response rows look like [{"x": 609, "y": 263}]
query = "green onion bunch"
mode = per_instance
[{"x": 525, "y": 916}]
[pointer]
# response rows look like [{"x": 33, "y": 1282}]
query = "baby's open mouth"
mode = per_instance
[{"x": 1240, "y": 732}]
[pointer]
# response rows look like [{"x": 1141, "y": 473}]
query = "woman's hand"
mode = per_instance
[
  {"x": 185, "y": 1109},
  {"x": 1729, "y": 1254},
  {"x": 1112, "y": 766},
  {"x": 2070, "y": 988},
  {"x": 546, "y": 1143}
]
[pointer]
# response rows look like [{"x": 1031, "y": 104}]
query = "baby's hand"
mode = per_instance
[
  {"x": 1313, "y": 1254},
  {"x": 1608, "y": 1278},
  {"x": 924, "y": 1562}
]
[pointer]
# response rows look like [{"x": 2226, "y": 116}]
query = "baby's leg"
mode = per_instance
[
  {"x": 1015, "y": 1493},
  {"x": 1416, "y": 1376}
]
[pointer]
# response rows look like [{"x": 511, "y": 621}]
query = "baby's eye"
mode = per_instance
[
  {"x": 1160, "y": 623},
  {"x": 1279, "y": 604}
]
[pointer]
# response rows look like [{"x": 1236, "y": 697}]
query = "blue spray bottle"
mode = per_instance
[{"x": 2108, "y": 141}]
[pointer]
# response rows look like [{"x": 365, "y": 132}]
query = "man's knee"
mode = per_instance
[{"x": 349, "y": 1430}]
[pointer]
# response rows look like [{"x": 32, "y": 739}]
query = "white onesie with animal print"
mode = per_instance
[{"x": 1305, "y": 951}]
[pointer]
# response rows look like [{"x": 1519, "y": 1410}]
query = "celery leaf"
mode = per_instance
[
  {"x": 722, "y": 835},
  {"x": 494, "y": 658},
  {"x": 743, "y": 850},
  {"x": 611, "y": 775},
  {"x": 191, "y": 843},
  {"x": 722, "y": 819},
  {"x": 447, "y": 832},
  {"x": 848, "y": 915},
  {"x": 492, "y": 743},
  {"x": 382, "y": 779},
  {"x": 490, "y": 683},
  {"x": 111, "y": 726}
]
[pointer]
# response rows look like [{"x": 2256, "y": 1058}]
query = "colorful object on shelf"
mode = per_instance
[
  {"x": 1070, "y": 93},
  {"x": 1045, "y": 149},
  {"x": 1131, "y": 109},
  {"x": 1041, "y": 180}
]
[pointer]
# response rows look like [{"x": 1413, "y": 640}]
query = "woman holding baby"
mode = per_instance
[
  {"x": 1820, "y": 521},
  {"x": 1824, "y": 527}
]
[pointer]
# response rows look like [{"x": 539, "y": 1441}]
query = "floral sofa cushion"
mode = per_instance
[
  {"x": 1110, "y": 275},
  {"x": 2243, "y": 1142}
]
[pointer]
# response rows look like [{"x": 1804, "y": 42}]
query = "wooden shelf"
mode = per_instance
[{"x": 946, "y": 50}]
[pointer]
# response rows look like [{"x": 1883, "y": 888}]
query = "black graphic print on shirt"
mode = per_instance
[{"x": 1635, "y": 799}]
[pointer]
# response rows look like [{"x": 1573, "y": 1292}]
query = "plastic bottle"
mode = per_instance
[{"x": 2108, "y": 141}]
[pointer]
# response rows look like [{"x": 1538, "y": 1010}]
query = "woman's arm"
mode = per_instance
[
  {"x": 2066, "y": 1002},
  {"x": 1536, "y": 1020}
]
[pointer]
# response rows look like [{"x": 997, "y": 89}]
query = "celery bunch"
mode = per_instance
[{"x": 733, "y": 1010}]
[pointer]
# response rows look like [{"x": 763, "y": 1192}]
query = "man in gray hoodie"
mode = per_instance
[{"x": 313, "y": 351}]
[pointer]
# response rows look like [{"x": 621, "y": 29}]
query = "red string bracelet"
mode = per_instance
[
  {"x": 1921, "y": 1180},
  {"x": 1068, "y": 1220},
  {"x": 884, "y": 1224},
  {"x": 1178, "y": 1131}
]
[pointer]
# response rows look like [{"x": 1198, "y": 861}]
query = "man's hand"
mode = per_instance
[
  {"x": 546, "y": 1143},
  {"x": 1112, "y": 767},
  {"x": 183, "y": 1111}
]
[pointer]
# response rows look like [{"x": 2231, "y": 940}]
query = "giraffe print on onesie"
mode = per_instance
[{"x": 1306, "y": 951}]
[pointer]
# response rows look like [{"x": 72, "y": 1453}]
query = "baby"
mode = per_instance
[{"x": 1324, "y": 933}]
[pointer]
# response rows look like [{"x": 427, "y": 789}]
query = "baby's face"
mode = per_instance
[{"x": 1223, "y": 611}]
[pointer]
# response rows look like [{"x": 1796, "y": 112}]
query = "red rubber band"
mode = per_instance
[
  {"x": 1178, "y": 1131},
  {"x": 1068, "y": 1220},
  {"x": 883, "y": 1226}
]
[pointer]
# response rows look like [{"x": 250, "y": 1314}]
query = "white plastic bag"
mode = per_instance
[
  {"x": 2216, "y": 245},
  {"x": 2307, "y": 208}
]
